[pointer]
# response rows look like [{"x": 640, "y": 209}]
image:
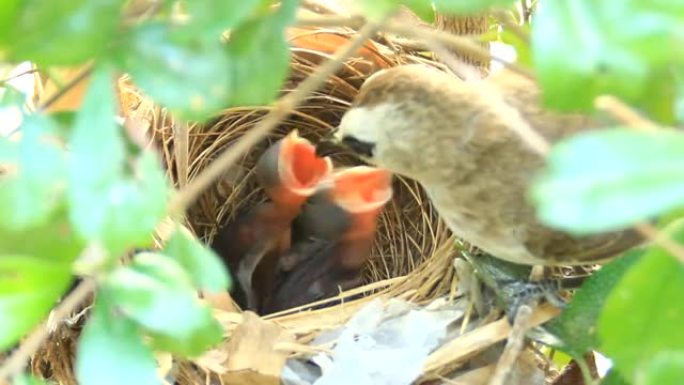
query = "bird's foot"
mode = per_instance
[
  {"x": 515, "y": 294},
  {"x": 511, "y": 285}
]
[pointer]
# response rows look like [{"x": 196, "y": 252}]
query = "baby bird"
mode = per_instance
[
  {"x": 289, "y": 171},
  {"x": 430, "y": 126},
  {"x": 332, "y": 238}
]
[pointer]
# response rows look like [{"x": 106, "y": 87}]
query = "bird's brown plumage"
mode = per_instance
[{"x": 448, "y": 135}]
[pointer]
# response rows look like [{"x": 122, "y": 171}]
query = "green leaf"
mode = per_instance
[
  {"x": 666, "y": 368},
  {"x": 584, "y": 46},
  {"x": 192, "y": 345},
  {"x": 60, "y": 32},
  {"x": 468, "y": 6},
  {"x": 9, "y": 12},
  {"x": 379, "y": 9},
  {"x": 30, "y": 195},
  {"x": 422, "y": 9},
  {"x": 260, "y": 57},
  {"x": 97, "y": 156},
  {"x": 10, "y": 96},
  {"x": 111, "y": 351},
  {"x": 136, "y": 205},
  {"x": 29, "y": 287},
  {"x": 679, "y": 91},
  {"x": 206, "y": 269},
  {"x": 644, "y": 313},
  {"x": 105, "y": 204},
  {"x": 155, "y": 292},
  {"x": 9, "y": 151},
  {"x": 613, "y": 378},
  {"x": 576, "y": 326},
  {"x": 631, "y": 175},
  {"x": 25, "y": 379},
  {"x": 192, "y": 78},
  {"x": 54, "y": 240},
  {"x": 212, "y": 17}
]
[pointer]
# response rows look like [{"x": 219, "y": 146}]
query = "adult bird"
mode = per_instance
[
  {"x": 449, "y": 135},
  {"x": 289, "y": 171}
]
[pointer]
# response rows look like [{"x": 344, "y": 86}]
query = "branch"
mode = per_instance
[
  {"x": 62, "y": 91},
  {"x": 355, "y": 22},
  {"x": 514, "y": 345},
  {"x": 462, "y": 44},
  {"x": 623, "y": 113},
  {"x": 507, "y": 21},
  {"x": 3, "y": 82},
  {"x": 459, "y": 43},
  {"x": 280, "y": 111}
]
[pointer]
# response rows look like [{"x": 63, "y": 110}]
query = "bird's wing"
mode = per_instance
[{"x": 566, "y": 249}]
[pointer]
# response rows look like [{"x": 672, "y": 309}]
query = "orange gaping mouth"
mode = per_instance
[
  {"x": 299, "y": 168},
  {"x": 361, "y": 189}
]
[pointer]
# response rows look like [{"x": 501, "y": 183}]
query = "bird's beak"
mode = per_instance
[
  {"x": 362, "y": 189},
  {"x": 290, "y": 170},
  {"x": 328, "y": 146},
  {"x": 361, "y": 192}
]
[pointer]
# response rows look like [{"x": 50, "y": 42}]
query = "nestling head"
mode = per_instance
[{"x": 398, "y": 117}]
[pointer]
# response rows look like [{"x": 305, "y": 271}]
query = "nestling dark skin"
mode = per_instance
[
  {"x": 430, "y": 126},
  {"x": 332, "y": 238}
]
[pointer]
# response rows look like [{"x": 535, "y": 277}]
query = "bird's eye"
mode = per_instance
[{"x": 358, "y": 146}]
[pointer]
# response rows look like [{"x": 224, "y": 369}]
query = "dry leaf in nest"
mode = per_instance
[{"x": 251, "y": 358}]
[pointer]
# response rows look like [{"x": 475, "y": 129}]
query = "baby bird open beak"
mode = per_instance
[
  {"x": 333, "y": 237},
  {"x": 290, "y": 170},
  {"x": 362, "y": 192}
]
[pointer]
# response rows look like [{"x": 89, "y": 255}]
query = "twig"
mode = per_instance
[
  {"x": 327, "y": 7},
  {"x": 459, "y": 43},
  {"x": 15, "y": 363},
  {"x": 67, "y": 87},
  {"x": 462, "y": 69},
  {"x": 515, "y": 344},
  {"x": 623, "y": 113},
  {"x": 4, "y": 81},
  {"x": 181, "y": 152},
  {"x": 61, "y": 92},
  {"x": 462, "y": 44},
  {"x": 667, "y": 243},
  {"x": 281, "y": 109},
  {"x": 505, "y": 19},
  {"x": 458, "y": 350},
  {"x": 355, "y": 22}
]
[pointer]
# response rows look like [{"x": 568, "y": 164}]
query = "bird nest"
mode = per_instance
[
  {"x": 412, "y": 256},
  {"x": 409, "y": 231}
]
